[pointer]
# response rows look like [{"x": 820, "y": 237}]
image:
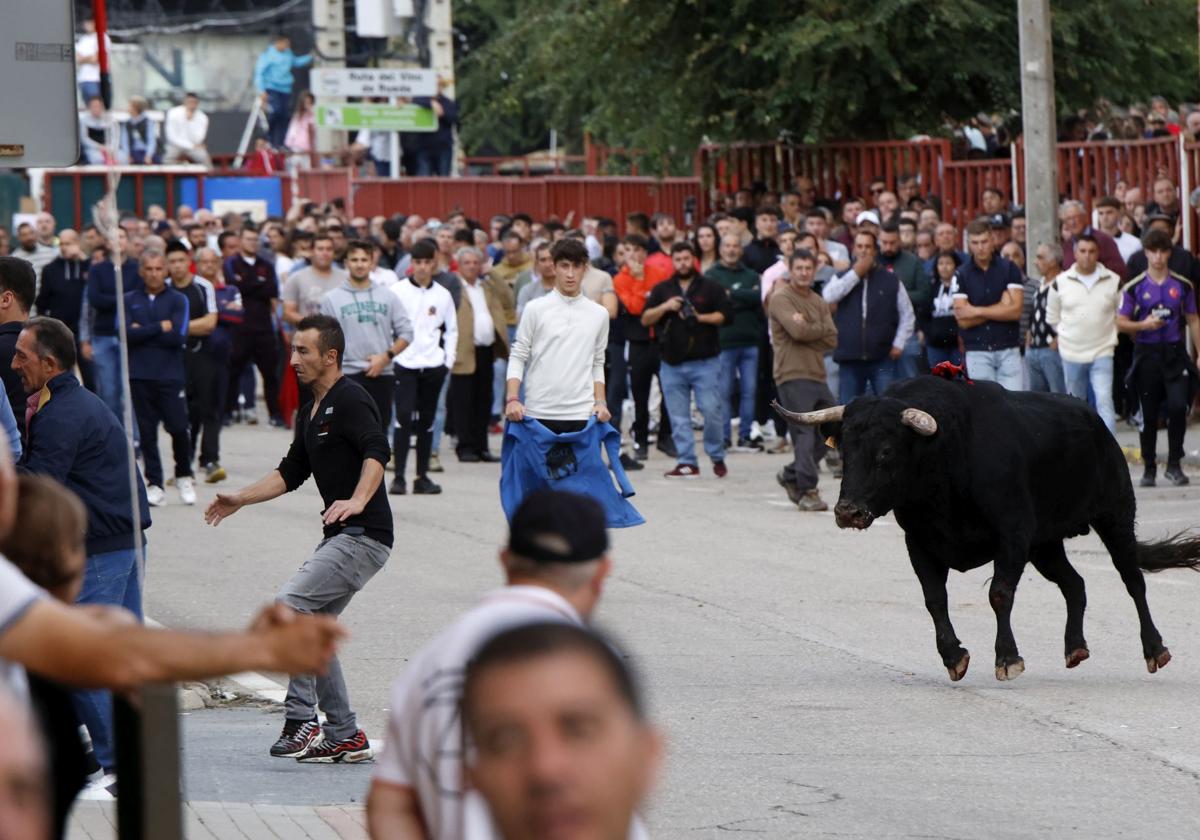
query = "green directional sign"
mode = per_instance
[{"x": 377, "y": 117}]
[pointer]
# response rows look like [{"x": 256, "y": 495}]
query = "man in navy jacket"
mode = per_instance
[
  {"x": 75, "y": 439},
  {"x": 157, "y": 317},
  {"x": 106, "y": 348}
]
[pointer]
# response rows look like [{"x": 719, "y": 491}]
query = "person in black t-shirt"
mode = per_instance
[{"x": 339, "y": 442}]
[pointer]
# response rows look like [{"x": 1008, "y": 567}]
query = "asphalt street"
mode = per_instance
[{"x": 791, "y": 664}]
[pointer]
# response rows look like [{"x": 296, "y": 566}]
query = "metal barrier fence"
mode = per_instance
[
  {"x": 837, "y": 169},
  {"x": 539, "y": 197}
]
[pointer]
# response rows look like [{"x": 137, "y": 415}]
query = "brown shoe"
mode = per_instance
[{"x": 811, "y": 501}]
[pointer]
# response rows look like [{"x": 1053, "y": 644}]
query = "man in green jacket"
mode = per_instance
[
  {"x": 739, "y": 340},
  {"x": 909, "y": 270}
]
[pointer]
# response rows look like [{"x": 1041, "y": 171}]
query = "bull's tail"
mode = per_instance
[{"x": 1175, "y": 552}]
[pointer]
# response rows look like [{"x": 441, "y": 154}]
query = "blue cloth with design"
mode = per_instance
[{"x": 533, "y": 457}]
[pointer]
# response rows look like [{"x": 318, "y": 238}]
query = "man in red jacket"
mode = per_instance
[{"x": 633, "y": 284}]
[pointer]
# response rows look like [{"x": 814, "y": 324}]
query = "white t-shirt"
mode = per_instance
[
  {"x": 182, "y": 132},
  {"x": 17, "y": 594},
  {"x": 88, "y": 46},
  {"x": 384, "y": 277},
  {"x": 1089, "y": 280},
  {"x": 423, "y": 750},
  {"x": 1127, "y": 244}
]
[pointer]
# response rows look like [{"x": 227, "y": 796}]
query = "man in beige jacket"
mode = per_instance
[
  {"x": 482, "y": 338},
  {"x": 1082, "y": 307},
  {"x": 802, "y": 331}
]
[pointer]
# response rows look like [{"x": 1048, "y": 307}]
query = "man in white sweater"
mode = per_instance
[
  {"x": 1082, "y": 307},
  {"x": 558, "y": 352}
]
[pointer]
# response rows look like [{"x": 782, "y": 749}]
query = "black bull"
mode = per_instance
[{"x": 976, "y": 474}]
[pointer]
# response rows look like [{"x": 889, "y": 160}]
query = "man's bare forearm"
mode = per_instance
[{"x": 268, "y": 487}]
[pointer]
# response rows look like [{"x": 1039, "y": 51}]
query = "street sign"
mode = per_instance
[
  {"x": 384, "y": 81},
  {"x": 377, "y": 117}
]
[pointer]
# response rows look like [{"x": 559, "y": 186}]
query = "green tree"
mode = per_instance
[{"x": 664, "y": 76}]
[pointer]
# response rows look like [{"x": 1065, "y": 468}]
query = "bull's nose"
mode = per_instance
[{"x": 850, "y": 515}]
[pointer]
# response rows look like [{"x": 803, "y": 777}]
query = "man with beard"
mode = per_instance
[{"x": 688, "y": 310}]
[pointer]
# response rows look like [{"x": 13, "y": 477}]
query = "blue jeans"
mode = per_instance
[
  {"x": 1045, "y": 370},
  {"x": 1098, "y": 374},
  {"x": 111, "y": 578},
  {"x": 279, "y": 113},
  {"x": 439, "y": 418},
  {"x": 106, "y": 356},
  {"x": 909, "y": 364},
  {"x": 500, "y": 379},
  {"x": 1001, "y": 366},
  {"x": 854, "y": 377},
  {"x": 432, "y": 162},
  {"x": 937, "y": 355},
  {"x": 739, "y": 365},
  {"x": 89, "y": 90},
  {"x": 678, "y": 382}
]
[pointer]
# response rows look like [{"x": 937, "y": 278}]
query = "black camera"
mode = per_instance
[{"x": 687, "y": 310}]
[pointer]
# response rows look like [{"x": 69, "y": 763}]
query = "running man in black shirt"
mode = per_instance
[{"x": 339, "y": 442}]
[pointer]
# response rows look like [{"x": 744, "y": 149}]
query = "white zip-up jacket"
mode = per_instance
[
  {"x": 1084, "y": 317},
  {"x": 434, "y": 324}
]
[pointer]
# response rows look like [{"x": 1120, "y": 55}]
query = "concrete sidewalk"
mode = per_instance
[{"x": 234, "y": 820}]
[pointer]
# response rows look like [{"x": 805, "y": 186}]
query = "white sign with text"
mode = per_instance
[{"x": 370, "y": 82}]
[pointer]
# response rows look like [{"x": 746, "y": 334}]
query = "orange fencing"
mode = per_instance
[
  {"x": 838, "y": 170},
  {"x": 541, "y": 198},
  {"x": 1087, "y": 171},
  {"x": 965, "y": 181}
]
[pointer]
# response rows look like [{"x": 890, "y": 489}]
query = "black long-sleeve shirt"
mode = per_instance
[
  {"x": 332, "y": 446},
  {"x": 258, "y": 285}
]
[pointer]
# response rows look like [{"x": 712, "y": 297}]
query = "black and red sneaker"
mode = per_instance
[
  {"x": 296, "y": 739},
  {"x": 719, "y": 469},
  {"x": 349, "y": 750}
]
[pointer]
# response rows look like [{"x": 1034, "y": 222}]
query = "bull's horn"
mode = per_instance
[
  {"x": 811, "y": 418},
  {"x": 919, "y": 421}
]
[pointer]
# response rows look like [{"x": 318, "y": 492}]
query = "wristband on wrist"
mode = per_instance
[
  {"x": 512, "y": 400},
  {"x": 600, "y": 402}
]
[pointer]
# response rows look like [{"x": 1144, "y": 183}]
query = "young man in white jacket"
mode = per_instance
[
  {"x": 421, "y": 369},
  {"x": 1082, "y": 307}
]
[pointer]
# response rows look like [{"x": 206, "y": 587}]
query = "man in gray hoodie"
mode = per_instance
[{"x": 376, "y": 327}]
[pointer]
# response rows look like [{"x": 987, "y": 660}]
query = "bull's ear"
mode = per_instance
[
  {"x": 919, "y": 421},
  {"x": 831, "y": 433}
]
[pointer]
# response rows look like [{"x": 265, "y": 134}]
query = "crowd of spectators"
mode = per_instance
[{"x": 790, "y": 296}]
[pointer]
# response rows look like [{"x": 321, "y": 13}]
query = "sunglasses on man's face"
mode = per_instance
[{"x": 876, "y": 190}]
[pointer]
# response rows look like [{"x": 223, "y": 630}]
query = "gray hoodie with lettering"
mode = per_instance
[{"x": 372, "y": 320}]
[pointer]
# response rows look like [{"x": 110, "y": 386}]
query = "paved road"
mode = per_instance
[{"x": 791, "y": 664}]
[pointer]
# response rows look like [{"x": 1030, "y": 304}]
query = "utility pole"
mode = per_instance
[
  {"x": 1038, "y": 122},
  {"x": 329, "y": 23}
]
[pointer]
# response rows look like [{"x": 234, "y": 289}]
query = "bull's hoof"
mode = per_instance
[
  {"x": 1010, "y": 670},
  {"x": 1076, "y": 656},
  {"x": 1159, "y": 660},
  {"x": 959, "y": 670}
]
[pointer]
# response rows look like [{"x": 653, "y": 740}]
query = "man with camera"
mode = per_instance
[{"x": 688, "y": 309}]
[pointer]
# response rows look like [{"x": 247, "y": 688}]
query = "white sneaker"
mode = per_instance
[
  {"x": 155, "y": 496},
  {"x": 187, "y": 490},
  {"x": 100, "y": 790}
]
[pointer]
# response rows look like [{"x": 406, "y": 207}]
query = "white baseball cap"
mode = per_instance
[{"x": 867, "y": 216}]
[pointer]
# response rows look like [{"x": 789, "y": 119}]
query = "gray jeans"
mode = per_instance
[
  {"x": 808, "y": 447},
  {"x": 340, "y": 566}
]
